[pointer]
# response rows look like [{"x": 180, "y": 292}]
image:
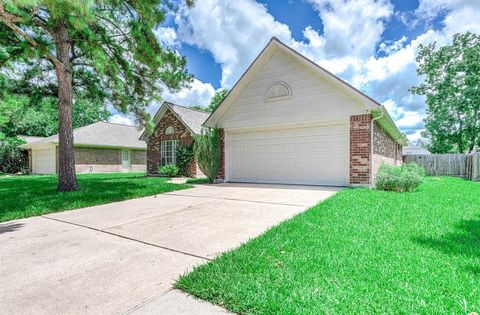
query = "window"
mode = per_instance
[
  {"x": 278, "y": 91},
  {"x": 170, "y": 130},
  {"x": 168, "y": 152}
]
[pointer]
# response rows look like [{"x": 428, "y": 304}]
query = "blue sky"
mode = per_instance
[{"x": 372, "y": 44}]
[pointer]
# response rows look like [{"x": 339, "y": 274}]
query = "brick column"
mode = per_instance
[
  {"x": 360, "y": 149},
  {"x": 221, "y": 173}
]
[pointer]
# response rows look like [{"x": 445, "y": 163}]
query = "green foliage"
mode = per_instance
[
  {"x": 216, "y": 100},
  {"x": 184, "y": 159},
  {"x": 207, "y": 153},
  {"x": 12, "y": 159},
  {"x": 26, "y": 196},
  {"x": 362, "y": 251},
  {"x": 200, "y": 180},
  {"x": 451, "y": 85},
  {"x": 199, "y": 108},
  {"x": 406, "y": 177},
  {"x": 114, "y": 52},
  {"x": 20, "y": 115},
  {"x": 170, "y": 170}
]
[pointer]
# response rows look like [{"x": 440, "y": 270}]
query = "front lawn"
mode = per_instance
[
  {"x": 26, "y": 196},
  {"x": 359, "y": 252}
]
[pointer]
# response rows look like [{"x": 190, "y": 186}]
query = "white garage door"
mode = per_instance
[
  {"x": 314, "y": 155},
  {"x": 43, "y": 161}
]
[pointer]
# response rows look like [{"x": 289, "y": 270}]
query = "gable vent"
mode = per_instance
[{"x": 278, "y": 91}]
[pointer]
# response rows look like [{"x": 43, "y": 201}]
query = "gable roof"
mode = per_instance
[
  {"x": 192, "y": 119},
  {"x": 378, "y": 111},
  {"x": 31, "y": 139},
  {"x": 99, "y": 134}
]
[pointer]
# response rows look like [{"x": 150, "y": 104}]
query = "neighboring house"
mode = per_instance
[
  {"x": 415, "y": 149},
  {"x": 99, "y": 147},
  {"x": 174, "y": 125},
  {"x": 289, "y": 121}
]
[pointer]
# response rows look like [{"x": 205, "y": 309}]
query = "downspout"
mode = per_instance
[{"x": 372, "y": 123}]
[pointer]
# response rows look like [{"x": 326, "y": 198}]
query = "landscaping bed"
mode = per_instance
[
  {"x": 26, "y": 196},
  {"x": 361, "y": 251}
]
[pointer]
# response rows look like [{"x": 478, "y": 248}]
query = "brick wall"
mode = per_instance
[
  {"x": 102, "y": 160},
  {"x": 385, "y": 149},
  {"x": 153, "y": 144},
  {"x": 139, "y": 160},
  {"x": 221, "y": 173},
  {"x": 360, "y": 149}
]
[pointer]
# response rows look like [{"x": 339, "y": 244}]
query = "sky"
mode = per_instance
[{"x": 372, "y": 44}]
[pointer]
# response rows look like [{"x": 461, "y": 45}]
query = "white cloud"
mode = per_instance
[
  {"x": 352, "y": 27},
  {"x": 167, "y": 36},
  {"x": 199, "y": 93},
  {"x": 234, "y": 32}
]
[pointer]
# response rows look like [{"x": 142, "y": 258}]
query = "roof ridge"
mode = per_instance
[
  {"x": 112, "y": 123},
  {"x": 186, "y": 107}
]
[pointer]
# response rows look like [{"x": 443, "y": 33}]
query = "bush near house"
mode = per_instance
[
  {"x": 208, "y": 153},
  {"x": 13, "y": 159},
  {"x": 170, "y": 170},
  {"x": 184, "y": 159},
  {"x": 406, "y": 177}
]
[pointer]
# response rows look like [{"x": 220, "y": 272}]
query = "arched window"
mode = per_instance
[
  {"x": 169, "y": 130},
  {"x": 278, "y": 91}
]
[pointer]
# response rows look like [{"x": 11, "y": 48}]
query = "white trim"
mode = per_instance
[
  {"x": 174, "y": 146},
  {"x": 313, "y": 123},
  {"x": 285, "y": 85}
]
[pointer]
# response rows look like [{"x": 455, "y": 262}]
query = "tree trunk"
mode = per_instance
[{"x": 67, "y": 180}]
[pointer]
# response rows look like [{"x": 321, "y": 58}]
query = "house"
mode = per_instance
[
  {"x": 289, "y": 121},
  {"x": 419, "y": 148},
  {"x": 414, "y": 149},
  {"x": 99, "y": 147},
  {"x": 174, "y": 125}
]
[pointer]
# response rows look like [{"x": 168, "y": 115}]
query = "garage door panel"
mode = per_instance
[
  {"x": 314, "y": 155},
  {"x": 44, "y": 161}
]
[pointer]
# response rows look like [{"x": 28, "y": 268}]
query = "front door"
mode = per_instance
[{"x": 126, "y": 160}]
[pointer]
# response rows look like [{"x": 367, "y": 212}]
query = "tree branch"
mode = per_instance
[{"x": 10, "y": 20}]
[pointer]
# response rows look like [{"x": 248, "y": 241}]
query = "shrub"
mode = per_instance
[
  {"x": 170, "y": 170},
  {"x": 406, "y": 177},
  {"x": 207, "y": 153},
  {"x": 184, "y": 159},
  {"x": 12, "y": 158}
]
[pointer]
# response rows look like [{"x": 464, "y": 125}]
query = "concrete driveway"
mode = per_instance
[{"x": 123, "y": 257}]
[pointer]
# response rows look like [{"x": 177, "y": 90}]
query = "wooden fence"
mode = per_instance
[{"x": 459, "y": 165}]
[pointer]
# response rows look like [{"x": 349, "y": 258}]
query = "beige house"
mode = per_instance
[
  {"x": 289, "y": 121},
  {"x": 99, "y": 147}
]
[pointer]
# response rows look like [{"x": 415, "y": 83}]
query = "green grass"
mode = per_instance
[
  {"x": 359, "y": 252},
  {"x": 26, "y": 196},
  {"x": 197, "y": 180}
]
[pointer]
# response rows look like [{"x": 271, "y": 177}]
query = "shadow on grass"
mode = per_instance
[
  {"x": 37, "y": 195},
  {"x": 10, "y": 227},
  {"x": 464, "y": 241}
]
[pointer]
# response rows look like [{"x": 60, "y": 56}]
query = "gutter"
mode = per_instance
[{"x": 372, "y": 124}]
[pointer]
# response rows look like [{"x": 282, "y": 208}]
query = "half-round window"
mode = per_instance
[
  {"x": 169, "y": 130},
  {"x": 278, "y": 91}
]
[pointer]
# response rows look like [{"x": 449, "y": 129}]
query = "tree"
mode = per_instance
[
  {"x": 207, "y": 152},
  {"x": 105, "y": 49},
  {"x": 216, "y": 100},
  {"x": 452, "y": 89}
]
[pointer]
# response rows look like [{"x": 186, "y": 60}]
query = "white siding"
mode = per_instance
[
  {"x": 43, "y": 161},
  {"x": 313, "y": 98}
]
